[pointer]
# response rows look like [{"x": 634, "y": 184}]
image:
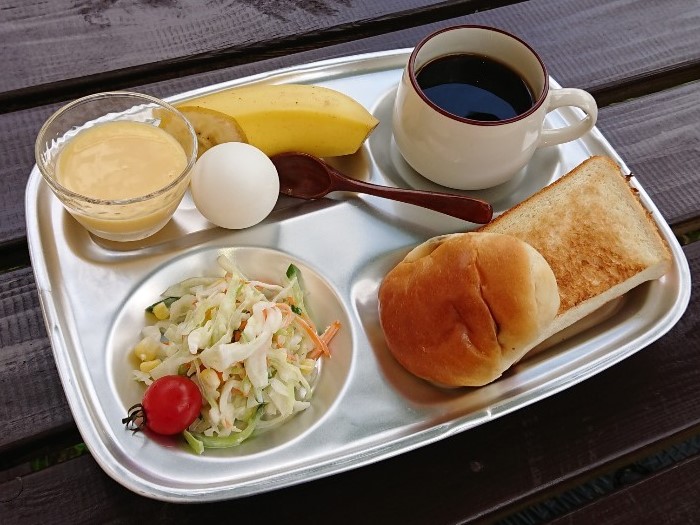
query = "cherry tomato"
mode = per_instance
[{"x": 169, "y": 406}]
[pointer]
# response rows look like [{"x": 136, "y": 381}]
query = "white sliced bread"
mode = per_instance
[{"x": 597, "y": 236}]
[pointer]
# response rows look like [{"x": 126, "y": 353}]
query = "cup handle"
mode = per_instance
[{"x": 569, "y": 97}]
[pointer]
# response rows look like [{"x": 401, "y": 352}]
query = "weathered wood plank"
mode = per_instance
[
  {"x": 18, "y": 132},
  {"x": 33, "y": 403},
  {"x": 594, "y": 44},
  {"x": 658, "y": 138},
  {"x": 640, "y": 503},
  {"x": 150, "y": 39},
  {"x": 506, "y": 462},
  {"x": 134, "y": 40}
]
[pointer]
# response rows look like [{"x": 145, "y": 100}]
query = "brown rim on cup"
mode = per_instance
[{"x": 539, "y": 95}]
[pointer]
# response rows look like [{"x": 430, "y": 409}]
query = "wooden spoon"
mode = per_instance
[{"x": 307, "y": 177}]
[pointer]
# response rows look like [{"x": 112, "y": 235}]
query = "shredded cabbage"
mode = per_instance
[{"x": 250, "y": 346}]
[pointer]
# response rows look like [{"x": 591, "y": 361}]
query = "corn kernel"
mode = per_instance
[
  {"x": 147, "y": 366},
  {"x": 146, "y": 349},
  {"x": 161, "y": 311},
  {"x": 210, "y": 378}
]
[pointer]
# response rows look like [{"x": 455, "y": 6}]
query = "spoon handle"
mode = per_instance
[{"x": 460, "y": 206}]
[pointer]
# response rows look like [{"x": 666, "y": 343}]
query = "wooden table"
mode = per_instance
[{"x": 621, "y": 447}]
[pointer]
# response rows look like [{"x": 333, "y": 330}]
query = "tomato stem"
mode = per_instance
[{"x": 136, "y": 418}]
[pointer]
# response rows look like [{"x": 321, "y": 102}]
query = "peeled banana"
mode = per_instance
[
  {"x": 288, "y": 117},
  {"x": 211, "y": 128}
]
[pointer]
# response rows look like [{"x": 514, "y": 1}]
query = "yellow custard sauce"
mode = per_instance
[
  {"x": 120, "y": 160},
  {"x": 123, "y": 161}
]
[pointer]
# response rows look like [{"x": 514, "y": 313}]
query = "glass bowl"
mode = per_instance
[{"x": 117, "y": 219}]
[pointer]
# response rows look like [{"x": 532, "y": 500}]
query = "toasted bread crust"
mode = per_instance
[
  {"x": 591, "y": 228},
  {"x": 460, "y": 309}
]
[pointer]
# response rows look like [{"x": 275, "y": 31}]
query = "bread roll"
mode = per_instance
[{"x": 460, "y": 309}]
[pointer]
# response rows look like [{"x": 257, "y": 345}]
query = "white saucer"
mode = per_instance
[{"x": 544, "y": 167}]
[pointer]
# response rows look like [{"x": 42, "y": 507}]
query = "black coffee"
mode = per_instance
[{"x": 475, "y": 87}]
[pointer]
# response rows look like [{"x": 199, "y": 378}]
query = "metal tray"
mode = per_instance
[{"x": 366, "y": 407}]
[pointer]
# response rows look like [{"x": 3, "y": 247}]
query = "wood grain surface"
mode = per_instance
[
  {"x": 657, "y": 136},
  {"x": 97, "y": 37},
  {"x": 642, "y": 62},
  {"x": 34, "y": 404},
  {"x": 640, "y": 503},
  {"x": 131, "y": 42}
]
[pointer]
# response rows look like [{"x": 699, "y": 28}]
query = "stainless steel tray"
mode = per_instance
[{"x": 366, "y": 407}]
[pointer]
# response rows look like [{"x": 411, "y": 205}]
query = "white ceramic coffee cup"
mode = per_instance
[{"x": 468, "y": 154}]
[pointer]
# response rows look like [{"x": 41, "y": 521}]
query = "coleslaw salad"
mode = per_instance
[{"x": 250, "y": 346}]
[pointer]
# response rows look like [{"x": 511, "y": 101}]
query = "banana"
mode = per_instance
[
  {"x": 291, "y": 117},
  {"x": 211, "y": 128}
]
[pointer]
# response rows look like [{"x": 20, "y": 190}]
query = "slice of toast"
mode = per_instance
[{"x": 595, "y": 233}]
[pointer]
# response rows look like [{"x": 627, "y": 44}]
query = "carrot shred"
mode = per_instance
[
  {"x": 320, "y": 347},
  {"x": 320, "y": 342},
  {"x": 330, "y": 332}
]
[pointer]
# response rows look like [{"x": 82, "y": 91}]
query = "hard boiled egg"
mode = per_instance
[{"x": 234, "y": 185}]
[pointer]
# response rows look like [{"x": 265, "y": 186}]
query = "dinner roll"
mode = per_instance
[{"x": 460, "y": 309}]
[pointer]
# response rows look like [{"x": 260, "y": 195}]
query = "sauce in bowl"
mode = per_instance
[
  {"x": 120, "y": 160},
  {"x": 113, "y": 164}
]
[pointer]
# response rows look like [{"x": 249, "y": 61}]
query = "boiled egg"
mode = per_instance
[{"x": 234, "y": 185}]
